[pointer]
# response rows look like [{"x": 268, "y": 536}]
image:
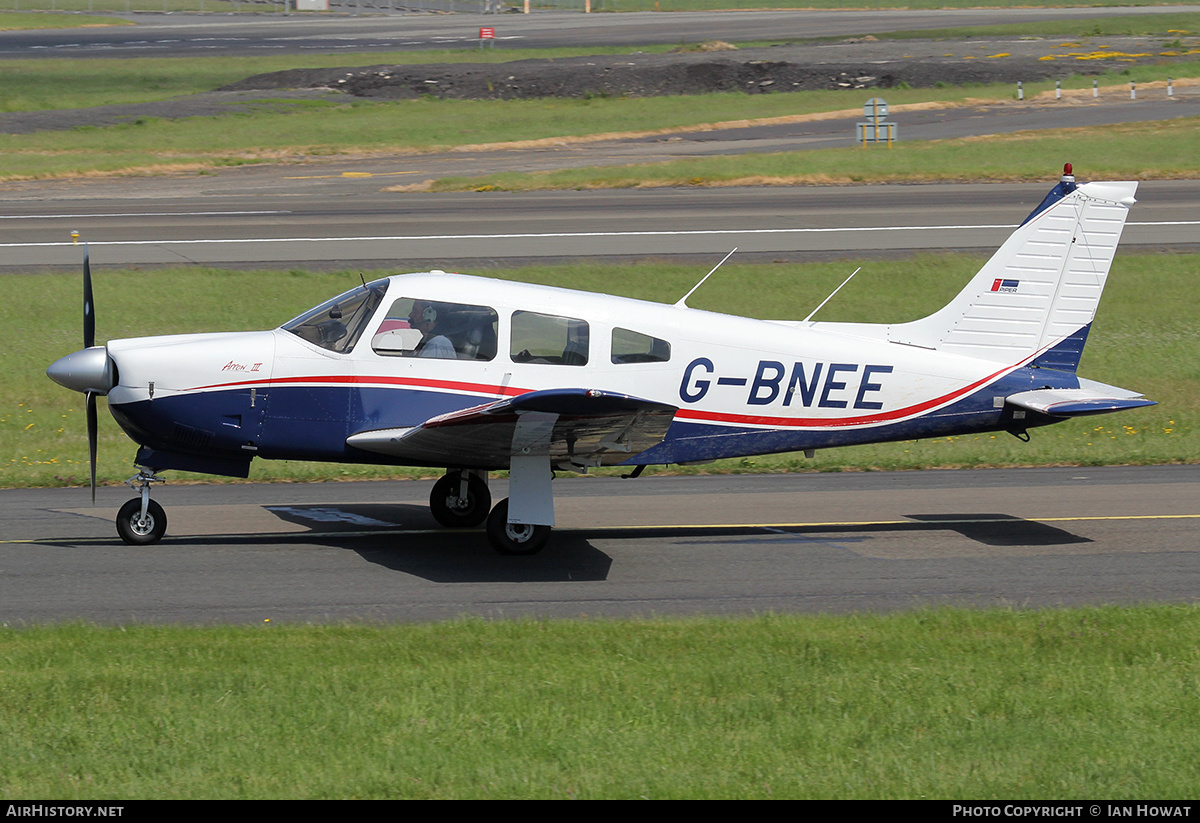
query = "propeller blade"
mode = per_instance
[
  {"x": 89, "y": 315},
  {"x": 92, "y": 436}
]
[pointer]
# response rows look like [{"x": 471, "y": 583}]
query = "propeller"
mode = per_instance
[
  {"x": 89, "y": 316},
  {"x": 89, "y": 340},
  {"x": 89, "y": 371}
]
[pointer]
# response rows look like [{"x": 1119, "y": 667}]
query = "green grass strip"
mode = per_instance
[
  {"x": 1172, "y": 24},
  {"x": 23, "y": 21},
  {"x": 723, "y": 5},
  {"x": 1073, "y": 704},
  {"x": 1167, "y": 150}
]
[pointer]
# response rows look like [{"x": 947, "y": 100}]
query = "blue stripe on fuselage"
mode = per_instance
[{"x": 286, "y": 422}]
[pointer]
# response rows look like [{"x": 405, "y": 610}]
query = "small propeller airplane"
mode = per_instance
[{"x": 475, "y": 375}]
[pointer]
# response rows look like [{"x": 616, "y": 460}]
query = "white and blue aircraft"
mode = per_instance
[{"x": 475, "y": 375}]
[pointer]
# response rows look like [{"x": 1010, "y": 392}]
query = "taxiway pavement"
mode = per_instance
[{"x": 734, "y": 544}]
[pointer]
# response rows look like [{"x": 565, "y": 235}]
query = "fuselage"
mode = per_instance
[{"x": 359, "y": 363}]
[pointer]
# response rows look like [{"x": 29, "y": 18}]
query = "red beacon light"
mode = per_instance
[{"x": 1068, "y": 173}]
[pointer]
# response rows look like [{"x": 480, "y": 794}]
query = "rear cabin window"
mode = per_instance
[
  {"x": 634, "y": 347},
  {"x": 547, "y": 338},
  {"x": 414, "y": 327}
]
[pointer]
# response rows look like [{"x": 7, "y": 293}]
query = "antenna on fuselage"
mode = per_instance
[
  {"x": 682, "y": 304},
  {"x": 830, "y": 297}
]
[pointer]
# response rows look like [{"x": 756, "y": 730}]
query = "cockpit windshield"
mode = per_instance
[{"x": 337, "y": 324}]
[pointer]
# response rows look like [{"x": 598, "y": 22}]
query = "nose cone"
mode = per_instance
[{"x": 87, "y": 370}]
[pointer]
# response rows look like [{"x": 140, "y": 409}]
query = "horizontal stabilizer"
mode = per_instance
[
  {"x": 574, "y": 427},
  {"x": 1089, "y": 398}
]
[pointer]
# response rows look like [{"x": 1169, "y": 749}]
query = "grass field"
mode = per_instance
[
  {"x": 1084, "y": 704},
  {"x": 18, "y": 21},
  {"x": 1139, "y": 341},
  {"x": 1137, "y": 151},
  {"x": 716, "y": 5},
  {"x": 102, "y": 12}
]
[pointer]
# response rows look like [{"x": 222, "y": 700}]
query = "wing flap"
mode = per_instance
[{"x": 573, "y": 427}]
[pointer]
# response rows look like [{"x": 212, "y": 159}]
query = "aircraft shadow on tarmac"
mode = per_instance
[
  {"x": 988, "y": 529},
  {"x": 425, "y": 549},
  {"x": 1001, "y": 529},
  {"x": 406, "y": 539}
]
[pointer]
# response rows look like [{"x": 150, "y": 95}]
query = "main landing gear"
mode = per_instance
[
  {"x": 142, "y": 521},
  {"x": 461, "y": 500},
  {"x": 514, "y": 538}
]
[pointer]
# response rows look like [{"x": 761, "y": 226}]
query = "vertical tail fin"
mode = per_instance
[{"x": 1038, "y": 294}]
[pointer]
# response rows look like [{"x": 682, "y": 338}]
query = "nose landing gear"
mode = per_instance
[{"x": 142, "y": 521}]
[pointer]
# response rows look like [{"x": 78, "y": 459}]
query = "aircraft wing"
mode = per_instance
[
  {"x": 576, "y": 427},
  {"x": 1090, "y": 398}
]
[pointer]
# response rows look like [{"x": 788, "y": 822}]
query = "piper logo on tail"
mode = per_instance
[{"x": 1002, "y": 285}]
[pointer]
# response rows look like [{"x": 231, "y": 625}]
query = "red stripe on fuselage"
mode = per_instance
[
  {"x": 698, "y": 415},
  {"x": 356, "y": 380}
]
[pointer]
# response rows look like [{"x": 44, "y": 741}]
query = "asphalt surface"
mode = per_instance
[
  {"x": 265, "y": 226},
  {"x": 1028, "y": 538}
]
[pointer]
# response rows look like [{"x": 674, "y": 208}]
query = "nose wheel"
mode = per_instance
[
  {"x": 142, "y": 521},
  {"x": 138, "y": 529}
]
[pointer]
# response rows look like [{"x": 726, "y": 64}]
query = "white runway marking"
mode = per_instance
[
  {"x": 550, "y": 235},
  {"x": 139, "y": 214}
]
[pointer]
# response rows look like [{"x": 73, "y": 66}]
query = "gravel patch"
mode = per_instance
[{"x": 862, "y": 64}]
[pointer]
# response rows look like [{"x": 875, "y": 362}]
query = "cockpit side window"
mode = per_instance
[
  {"x": 337, "y": 324},
  {"x": 547, "y": 338},
  {"x": 634, "y": 347},
  {"x": 414, "y": 327}
]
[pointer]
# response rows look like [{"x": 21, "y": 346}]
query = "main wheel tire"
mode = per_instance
[
  {"x": 514, "y": 538},
  {"x": 138, "y": 532},
  {"x": 454, "y": 513}
]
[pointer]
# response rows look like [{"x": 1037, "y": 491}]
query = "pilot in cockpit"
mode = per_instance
[{"x": 424, "y": 318}]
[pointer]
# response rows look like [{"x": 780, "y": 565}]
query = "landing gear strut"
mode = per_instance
[{"x": 141, "y": 521}]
